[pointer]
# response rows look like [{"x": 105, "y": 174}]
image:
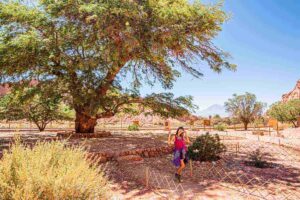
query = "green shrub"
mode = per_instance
[
  {"x": 220, "y": 127},
  {"x": 206, "y": 148},
  {"x": 257, "y": 158},
  {"x": 50, "y": 171},
  {"x": 133, "y": 127}
]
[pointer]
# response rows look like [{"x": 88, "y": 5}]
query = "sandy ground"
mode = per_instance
[{"x": 229, "y": 178}]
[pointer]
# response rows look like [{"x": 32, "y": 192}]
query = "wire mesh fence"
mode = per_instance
[{"x": 280, "y": 179}]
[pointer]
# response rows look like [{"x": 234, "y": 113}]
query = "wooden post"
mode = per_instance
[
  {"x": 167, "y": 125},
  {"x": 147, "y": 177},
  {"x": 269, "y": 131},
  {"x": 191, "y": 167},
  {"x": 121, "y": 123},
  {"x": 279, "y": 142}
]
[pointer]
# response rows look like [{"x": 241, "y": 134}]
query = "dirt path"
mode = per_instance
[{"x": 228, "y": 178}]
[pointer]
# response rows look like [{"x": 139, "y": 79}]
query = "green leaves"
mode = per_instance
[
  {"x": 285, "y": 111},
  {"x": 244, "y": 107},
  {"x": 166, "y": 105},
  {"x": 82, "y": 47},
  {"x": 206, "y": 148}
]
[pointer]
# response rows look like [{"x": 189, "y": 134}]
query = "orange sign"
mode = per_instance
[
  {"x": 272, "y": 122},
  {"x": 167, "y": 125},
  {"x": 206, "y": 122},
  {"x": 136, "y": 122}
]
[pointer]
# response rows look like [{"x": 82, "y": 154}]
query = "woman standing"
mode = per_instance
[{"x": 180, "y": 139}]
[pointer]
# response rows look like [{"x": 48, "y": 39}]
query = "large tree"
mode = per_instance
[
  {"x": 244, "y": 108},
  {"x": 86, "y": 48},
  {"x": 286, "y": 111}
]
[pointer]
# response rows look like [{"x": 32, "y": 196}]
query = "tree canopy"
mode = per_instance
[
  {"x": 286, "y": 111},
  {"x": 244, "y": 107},
  {"x": 86, "y": 49}
]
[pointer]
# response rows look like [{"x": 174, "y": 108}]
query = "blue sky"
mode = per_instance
[{"x": 263, "y": 37}]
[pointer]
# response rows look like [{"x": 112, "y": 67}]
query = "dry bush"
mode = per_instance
[
  {"x": 220, "y": 127},
  {"x": 257, "y": 159},
  {"x": 50, "y": 171}
]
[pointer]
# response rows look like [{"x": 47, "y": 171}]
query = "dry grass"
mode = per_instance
[{"x": 50, "y": 171}]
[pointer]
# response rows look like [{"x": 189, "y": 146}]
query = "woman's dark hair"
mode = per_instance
[{"x": 179, "y": 128}]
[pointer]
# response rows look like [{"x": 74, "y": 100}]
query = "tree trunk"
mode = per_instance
[
  {"x": 246, "y": 126},
  {"x": 295, "y": 124},
  {"x": 41, "y": 126},
  {"x": 84, "y": 123},
  {"x": 41, "y": 129}
]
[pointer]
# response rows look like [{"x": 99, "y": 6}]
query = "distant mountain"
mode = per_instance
[{"x": 213, "y": 110}]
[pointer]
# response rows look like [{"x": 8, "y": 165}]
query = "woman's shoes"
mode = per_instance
[{"x": 178, "y": 177}]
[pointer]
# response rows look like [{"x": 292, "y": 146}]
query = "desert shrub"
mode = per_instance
[
  {"x": 206, "y": 148},
  {"x": 257, "y": 158},
  {"x": 50, "y": 171},
  {"x": 133, "y": 127},
  {"x": 220, "y": 127}
]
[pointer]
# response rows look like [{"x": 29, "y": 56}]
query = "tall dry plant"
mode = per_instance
[{"x": 50, "y": 171}]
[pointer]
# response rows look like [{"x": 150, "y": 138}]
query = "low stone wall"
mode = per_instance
[
  {"x": 145, "y": 153},
  {"x": 73, "y": 135}
]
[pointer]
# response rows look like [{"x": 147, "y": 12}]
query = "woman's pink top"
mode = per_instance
[{"x": 179, "y": 143}]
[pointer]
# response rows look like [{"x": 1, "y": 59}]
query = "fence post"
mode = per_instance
[
  {"x": 279, "y": 142},
  {"x": 122, "y": 122},
  {"x": 147, "y": 177},
  {"x": 238, "y": 147},
  {"x": 191, "y": 167}
]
